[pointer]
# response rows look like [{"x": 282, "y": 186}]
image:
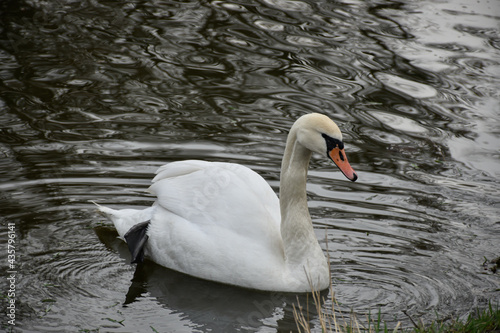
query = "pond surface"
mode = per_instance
[{"x": 96, "y": 95}]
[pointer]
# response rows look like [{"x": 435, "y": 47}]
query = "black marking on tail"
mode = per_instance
[{"x": 136, "y": 238}]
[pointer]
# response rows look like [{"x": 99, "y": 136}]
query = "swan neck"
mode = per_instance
[
  {"x": 296, "y": 226},
  {"x": 294, "y": 174}
]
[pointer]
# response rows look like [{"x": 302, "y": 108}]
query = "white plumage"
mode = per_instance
[{"x": 223, "y": 222}]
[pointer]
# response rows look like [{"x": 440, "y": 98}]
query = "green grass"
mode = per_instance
[
  {"x": 480, "y": 321},
  {"x": 486, "y": 320}
]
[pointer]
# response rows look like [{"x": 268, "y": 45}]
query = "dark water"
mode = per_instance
[{"x": 95, "y": 95}]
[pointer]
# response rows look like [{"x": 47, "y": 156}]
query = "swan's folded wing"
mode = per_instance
[
  {"x": 219, "y": 195},
  {"x": 179, "y": 168}
]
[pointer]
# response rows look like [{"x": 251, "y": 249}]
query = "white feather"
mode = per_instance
[{"x": 222, "y": 221}]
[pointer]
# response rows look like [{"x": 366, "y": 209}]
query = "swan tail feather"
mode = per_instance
[
  {"x": 126, "y": 219},
  {"x": 136, "y": 238}
]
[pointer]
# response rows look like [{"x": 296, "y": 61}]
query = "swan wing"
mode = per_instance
[
  {"x": 224, "y": 195},
  {"x": 213, "y": 217}
]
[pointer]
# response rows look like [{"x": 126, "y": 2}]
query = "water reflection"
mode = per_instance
[
  {"x": 206, "y": 305},
  {"x": 96, "y": 95}
]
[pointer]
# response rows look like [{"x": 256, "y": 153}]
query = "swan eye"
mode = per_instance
[{"x": 332, "y": 143}]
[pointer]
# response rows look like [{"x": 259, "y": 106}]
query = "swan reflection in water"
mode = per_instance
[{"x": 206, "y": 305}]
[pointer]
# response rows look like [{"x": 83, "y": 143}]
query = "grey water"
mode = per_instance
[{"x": 95, "y": 95}]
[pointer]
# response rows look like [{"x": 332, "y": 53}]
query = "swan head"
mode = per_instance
[{"x": 320, "y": 134}]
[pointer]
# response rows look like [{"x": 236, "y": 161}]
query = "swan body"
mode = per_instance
[{"x": 223, "y": 222}]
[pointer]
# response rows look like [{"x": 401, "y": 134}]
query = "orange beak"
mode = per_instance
[{"x": 340, "y": 159}]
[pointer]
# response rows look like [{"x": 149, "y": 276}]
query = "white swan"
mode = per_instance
[{"x": 223, "y": 222}]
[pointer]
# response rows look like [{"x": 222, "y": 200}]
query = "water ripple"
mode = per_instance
[{"x": 96, "y": 96}]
